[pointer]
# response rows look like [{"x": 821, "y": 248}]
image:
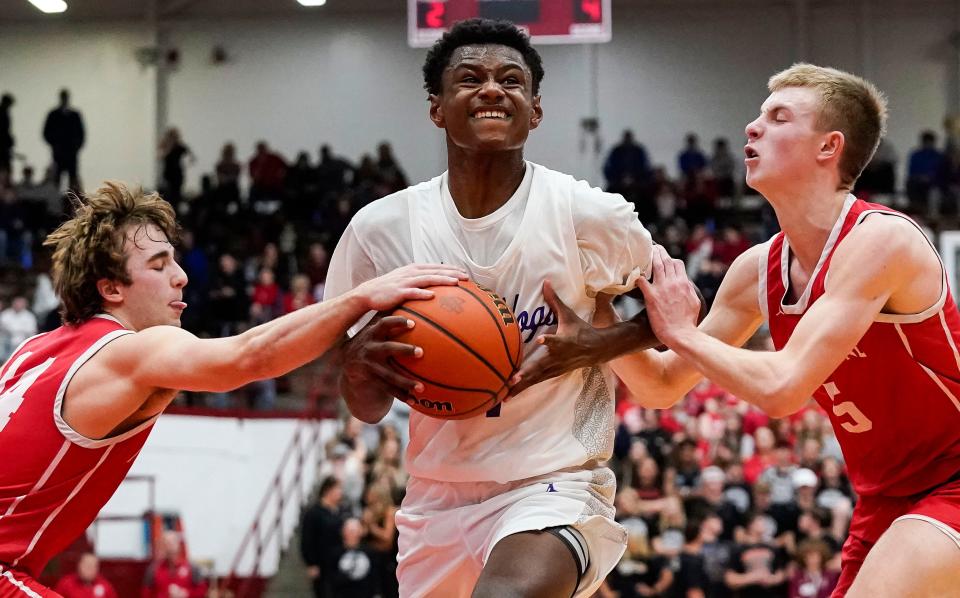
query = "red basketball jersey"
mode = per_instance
[
  {"x": 53, "y": 481},
  {"x": 895, "y": 400}
]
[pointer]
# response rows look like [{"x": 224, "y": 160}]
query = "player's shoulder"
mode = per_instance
[
  {"x": 885, "y": 235},
  {"x": 579, "y": 189},
  {"x": 387, "y": 211}
]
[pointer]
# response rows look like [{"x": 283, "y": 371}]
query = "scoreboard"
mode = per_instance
[{"x": 547, "y": 21}]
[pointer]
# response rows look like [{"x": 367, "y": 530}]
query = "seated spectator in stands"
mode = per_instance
[
  {"x": 686, "y": 468},
  {"x": 17, "y": 324},
  {"x": 228, "y": 174},
  {"x": 812, "y": 579},
  {"x": 315, "y": 267},
  {"x": 779, "y": 476},
  {"x": 356, "y": 570},
  {"x": 388, "y": 468},
  {"x": 816, "y": 524},
  {"x": 691, "y": 160},
  {"x": 171, "y": 575},
  {"x": 640, "y": 572},
  {"x": 300, "y": 294},
  {"x": 724, "y": 168},
  {"x": 762, "y": 457},
  {"x": 87, "y": 581},
  {"x": 729, "y": 246},
  {"x": 924, "y": 171},
  {"x": 391, "y": 175},
  {"x": 229, "y": 304},
  {"x": 757, "y": 567},
  {"x": 267, "y": 174},
  {"x": 879, "y": 177},
  {"x": 320, "y": 537},
  {"x": 627, "y": 165},
  {"x": 691, "y": 579},
  {"x": 266, "y": 298},
  {"x": 712, "y": 482},
  {"x": 334, "y": 172},
  {"x": 834, "y": 484},
  {"x": 379, "y": 520},
  {"x": 301, "y": 176}
]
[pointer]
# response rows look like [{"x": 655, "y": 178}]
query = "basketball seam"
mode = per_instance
[
  {"x": 456, "y": 340},
  {"x": 503, "y": 337},
  {"x": 493, "y": 396}
]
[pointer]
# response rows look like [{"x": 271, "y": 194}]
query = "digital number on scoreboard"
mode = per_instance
[{"x": 547, "y": 21}]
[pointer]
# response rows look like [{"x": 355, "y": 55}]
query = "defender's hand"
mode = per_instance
[
  {"x": 403, "y": 284},
  {"x": 574, "y": 345}
]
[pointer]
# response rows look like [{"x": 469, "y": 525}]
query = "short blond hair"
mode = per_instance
[
  {"x": 90, "y": 246},
  {"x": 849, "y": 104}
]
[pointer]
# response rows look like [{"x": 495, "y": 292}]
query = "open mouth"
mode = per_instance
[
  {"x": 749, "y": 153},
  {"x": 491, "y": 114}
]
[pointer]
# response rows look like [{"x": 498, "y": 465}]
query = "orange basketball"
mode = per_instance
[{"x": 471, "y": 347}]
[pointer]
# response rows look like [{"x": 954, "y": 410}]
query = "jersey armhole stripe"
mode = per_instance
[{"x": 65, "y": 429}]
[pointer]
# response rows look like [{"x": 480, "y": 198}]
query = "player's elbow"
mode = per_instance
[
  {"x": 782, "y": 401},
  {"x": 657, "y": 398}
]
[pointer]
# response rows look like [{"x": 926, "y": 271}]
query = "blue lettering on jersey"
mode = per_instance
[
  {"x": 550, "y": 487},
  {"x": 533, "y": 321}
]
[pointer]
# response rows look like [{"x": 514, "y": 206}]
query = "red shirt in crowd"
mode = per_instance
[
  {"x": 72, "y": 586},
  {"x": 165, "y": 579}
]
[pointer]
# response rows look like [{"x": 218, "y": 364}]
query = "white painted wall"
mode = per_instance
[
  {"x": 214, "y": 472},
  {"x": 352, "y": 81}
]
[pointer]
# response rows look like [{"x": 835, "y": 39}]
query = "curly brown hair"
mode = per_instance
[{"x": 90, "y": 246}]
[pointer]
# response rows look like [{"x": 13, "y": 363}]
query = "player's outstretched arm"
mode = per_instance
[
  {"x": 660, "y": 379},
  {"x": 879, "y": 258},
  {"x": 167, "y": 357}
]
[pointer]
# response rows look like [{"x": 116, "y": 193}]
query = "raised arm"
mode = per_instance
[
  {"x": 885, "y": 261},
  {"x": 660, "y": 379},
  {"x": 115, "y": 383}
]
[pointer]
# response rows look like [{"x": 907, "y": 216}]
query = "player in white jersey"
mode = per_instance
[{"x": 514, "y": 503}]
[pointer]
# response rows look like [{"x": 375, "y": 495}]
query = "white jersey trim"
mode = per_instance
[
  {"x": 933, "y": 309},
  {"x": 53, "y": 515},
  {"x": 801, "y": 305},
  {"x": 6, "y": 574},
  {"x": 43, "y": 479},
  {"x": 68, "y": 432},
  {"x": 764, "y": 259}
]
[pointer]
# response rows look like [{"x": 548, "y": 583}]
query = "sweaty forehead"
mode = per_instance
[
  {"x": 797, "y": 99},
  {"x": 489, "y": 55}
]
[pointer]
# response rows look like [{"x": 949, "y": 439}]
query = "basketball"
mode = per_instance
[{"x": 471, "y": 347}]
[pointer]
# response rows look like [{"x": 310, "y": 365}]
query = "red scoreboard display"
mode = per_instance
[{"x": 547, "y": 21}]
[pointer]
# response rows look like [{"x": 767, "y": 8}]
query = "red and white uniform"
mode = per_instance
[
  {"x": 53, "y": 481},
  {"x": 894, "y": 402}
]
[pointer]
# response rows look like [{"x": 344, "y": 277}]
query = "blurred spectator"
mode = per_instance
[
  {"x": 640, "y": 572},
  {"x": 299, "y": 296},
  {"x": 758, "y": 567},
  {"x": 762, "y": 457},
  {"x": 712, "y": 482},
  {"x": 691, "y": 161},
  {"x": 315, "y": 267},
  {"x": 724, "y": 168},
  {"x": 173, "y": 152},
  {"x": 925, "y": 168},
  {"x": 17, "y": 324},
  {"x": 171, "y": 575},
  {"x": 379, "y": 519},
  {"x": 686, "y": 469},
  {"x": 812, "y": 579},
  {"x": 320, "y": 537},
  {"x": 228, "y": 298},
  {"x": 6, "y": 135},
  {"x": 45, "y": 303},
  {"x": 334, "y": 173},
  {"x": 729, "y": 246},
  {"x": 627, "y": 165},
  {"x": 87, "y": 581},
  {"x": 64, "y": 133},
  {"x": 691, "y": 580},
  {"x": 228, "y": 174},
  {"x": 779, "y": 476},
  {"x": 265, "y": 302},
  {"x": 267, "y": 173},
  {"x": 879, "y": 177},
  {"x": 391, "y": 175},
  {"x": 356, "y": 566}
]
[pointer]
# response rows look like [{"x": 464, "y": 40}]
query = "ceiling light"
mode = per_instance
[
  {"x": 50, "y": 6},
  {"x": 312, "y": 2}
]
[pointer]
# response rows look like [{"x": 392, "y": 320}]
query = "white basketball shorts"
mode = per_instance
[{"x": 447, "y": 529}]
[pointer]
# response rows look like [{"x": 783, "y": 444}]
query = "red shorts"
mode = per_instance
[
  {"x": 874, "y": 514},
  {"x": 15, "y": 584}
]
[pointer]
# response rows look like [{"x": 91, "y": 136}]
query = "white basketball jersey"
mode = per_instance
[{"x": 580, "y": 238}]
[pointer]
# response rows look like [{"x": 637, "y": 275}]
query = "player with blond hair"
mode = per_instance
[
  {"x": 861, "y": 317},
  {"x": 77, "y": 403}
]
